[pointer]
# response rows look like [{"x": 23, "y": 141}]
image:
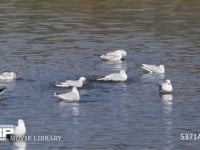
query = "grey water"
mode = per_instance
[{"x": 48, "y": 41}]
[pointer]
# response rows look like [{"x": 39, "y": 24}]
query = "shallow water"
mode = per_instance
[{"x": 45, "y": 42}]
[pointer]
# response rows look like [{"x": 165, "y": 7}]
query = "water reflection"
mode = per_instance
[
  {"x": 72, "y": 111},
  {"x": 69, "y": 110},
  {"x": 72, "y": 107},
  {"x": 167, "y": 97},
  {"x": 169, "y": 133},
  {"x": 20, "y": 145},
  {"x": 167, "y": 100},
  {"x": 113, "y": 65},
  {"x": 58, "y": 37},
  {"x": 152, "y": 77}
]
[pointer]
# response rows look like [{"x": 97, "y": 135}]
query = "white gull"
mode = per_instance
[
  {"x": 72, "y": 83},
  {"x": 166, "y": 87},
  {"x": 121, "y": 76},
  {"x": 20, "y": 129},
  {"x": 153, "y": 68},
  {"x": 115, "y": 55},
  {"x": 18, "y": 133},
  {"x": 72, "y": 96},
  {"x": 8, "y": 76}
]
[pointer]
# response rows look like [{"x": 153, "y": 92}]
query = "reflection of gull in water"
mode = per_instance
[
  {"x": 154, "y": 77},
  {"x": 75, "y": 110},
  {"x": 70, "y": 109},
  {"x": 169, "y": 133},
  {"x": 167, "y": 97},
  {"x": 73, "y": 107},
  {"x": 113, "y": 66},
  {"x": 19, "y": 145},
  {"x": 168, "y": 102},
  {"x": 121, "y": 76}
]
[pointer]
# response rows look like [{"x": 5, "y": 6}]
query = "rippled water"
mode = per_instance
[{"x": 45, "y": 42}]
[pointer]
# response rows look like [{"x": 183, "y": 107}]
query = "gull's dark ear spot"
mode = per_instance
[{"x": 124, "y": 58}]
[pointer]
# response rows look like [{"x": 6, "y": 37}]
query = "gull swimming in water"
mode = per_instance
[
  {"x": 153, "y": 68},
  {"x": 72, "y": 83},
  {"x": 115, "y": 55},
  {"x": 166, "y": 87},
  {"x": 8, "y": 76},
  {"x": 72, "y": 96},
  {"x": 2, "y": 89},
  {"x": 121, "y": 76}
]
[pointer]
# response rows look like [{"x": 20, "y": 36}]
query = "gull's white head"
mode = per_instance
[
  {"x": 82, "y": 79},
  {"x": 122, "y": 71},
  {"x": 123, "y": 74},
  {"x": 162, "y": 67},
  {"x": 21, "y": 122},
  {"x": 168, "y": 81}
]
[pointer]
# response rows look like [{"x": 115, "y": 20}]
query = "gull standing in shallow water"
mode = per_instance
[
  {"x": 121, "y": 76},
  {"x": 115, "y": 55},
  {"x": 153, "y": 68},
  {"x": 166, "y": 87},
  {"x": 8, "y": 76},
  {"x": 72, "y": 83},
  {"x": 72, "y": 96}
]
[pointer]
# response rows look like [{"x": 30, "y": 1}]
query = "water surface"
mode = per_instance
[{"x": 46, "y": 42}]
